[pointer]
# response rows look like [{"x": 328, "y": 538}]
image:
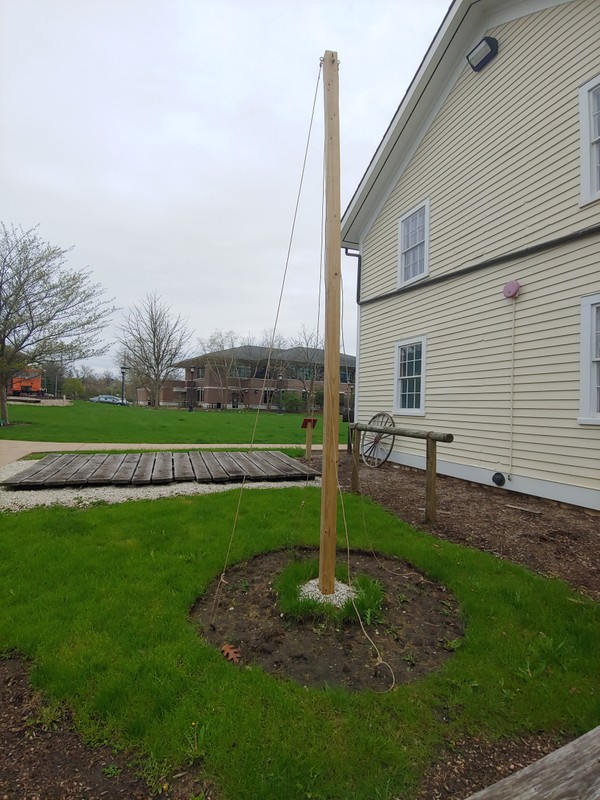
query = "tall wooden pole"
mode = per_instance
[{"x": 331, "y": 389}]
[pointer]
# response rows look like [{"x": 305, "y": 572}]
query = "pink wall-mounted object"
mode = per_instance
[{"x": 511, "y": 289}]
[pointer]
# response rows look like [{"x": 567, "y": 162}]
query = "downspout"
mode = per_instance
[
  {"x": 511, "y": 292},
  {"x": 512, "y": 389},
  {"x": 357, "y": 255}
]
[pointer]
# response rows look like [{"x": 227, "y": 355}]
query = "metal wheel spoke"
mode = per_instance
[{"x": 376, "y": 446}]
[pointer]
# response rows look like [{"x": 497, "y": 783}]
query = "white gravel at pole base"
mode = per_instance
[
  {"x": 341, "y": 593},
  {"x": 21, "y": 499}
]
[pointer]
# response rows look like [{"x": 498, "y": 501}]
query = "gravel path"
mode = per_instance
[{"x": 21, "y": 499}]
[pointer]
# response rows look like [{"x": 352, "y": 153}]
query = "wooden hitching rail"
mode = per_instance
[{"x": 431, "y": 437}]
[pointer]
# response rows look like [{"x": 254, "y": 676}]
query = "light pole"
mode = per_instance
[
  {"x": 191, "y": 402},
  {"x": 123, "y": 371},
  {"x": 280, "y": 385}
]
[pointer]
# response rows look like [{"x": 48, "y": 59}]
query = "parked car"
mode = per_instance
[{"x": 108, "y": 398}]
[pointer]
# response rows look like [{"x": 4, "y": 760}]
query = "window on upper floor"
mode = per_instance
[
  {"x": 589, "y": 409},
  {"x": 410, "y": 376},
  {"x": 240, "y": 371},
  {"x": 589, "y": 113},
  {"x": 413, "y": 236}
]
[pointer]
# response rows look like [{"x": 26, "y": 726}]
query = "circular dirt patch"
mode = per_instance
[{"x": 420, "y": 626}]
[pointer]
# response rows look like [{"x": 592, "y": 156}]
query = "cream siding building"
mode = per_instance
[{"x": 489, "y": 181}]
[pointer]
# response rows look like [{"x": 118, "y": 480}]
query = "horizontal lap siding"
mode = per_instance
[
  {"x": 468, "y": 326},
  {"x": 500, "y": 162}
]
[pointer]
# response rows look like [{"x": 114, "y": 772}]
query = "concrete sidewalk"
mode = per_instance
[{"x": 13, "y": 450}]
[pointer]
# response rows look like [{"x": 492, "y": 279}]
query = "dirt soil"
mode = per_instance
[
  {"x": 420, "y": 626},
  {"x": 43, "y": 758}
]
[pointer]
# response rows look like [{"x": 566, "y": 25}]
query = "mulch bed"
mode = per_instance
[
  {"x": 43, "y": 759},
  {"x": 418, "y": 630}
]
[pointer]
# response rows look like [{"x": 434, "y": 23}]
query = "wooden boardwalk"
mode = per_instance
[
  {"x": 142, "y": 469},
  {"x": 571, "y": 773}
]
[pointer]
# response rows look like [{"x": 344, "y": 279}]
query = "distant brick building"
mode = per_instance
[{"x": 247, "y": 377}]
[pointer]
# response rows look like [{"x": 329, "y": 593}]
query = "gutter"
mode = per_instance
[{"x": 506, "y": 258}]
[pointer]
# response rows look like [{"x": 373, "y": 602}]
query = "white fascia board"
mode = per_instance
[{"x": 464, "y": 25}]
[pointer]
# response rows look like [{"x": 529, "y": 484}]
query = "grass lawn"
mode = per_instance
[
  {"x": 98, "y": 598},
  {"x": 96, "y": 422}
]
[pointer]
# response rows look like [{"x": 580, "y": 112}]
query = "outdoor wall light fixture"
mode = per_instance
[{"x": 483, "y": 53}]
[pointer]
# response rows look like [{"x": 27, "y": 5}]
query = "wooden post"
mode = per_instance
[
  {"x": 354, "y": 486},
  {"x": 430, "y": 476},
  {"x": 331, "y": 388},
  {"x": 309, "y": 430}
]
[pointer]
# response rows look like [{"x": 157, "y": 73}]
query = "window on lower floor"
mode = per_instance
[
  {"x": 590, "y": 360},
  {"x": 410, "y": 376},
  {"x": 589, "y": 120}
]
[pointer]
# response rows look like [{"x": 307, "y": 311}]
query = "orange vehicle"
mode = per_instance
[{"x": 29, "y": 382}]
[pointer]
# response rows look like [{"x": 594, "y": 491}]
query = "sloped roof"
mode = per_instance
[
  {"x": 461, "y": 29},
  {"x": 256, "y": 353}
]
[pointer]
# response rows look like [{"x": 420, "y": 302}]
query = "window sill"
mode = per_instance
[
  {"x": 586, "y": 200},
  {"x": 589, "y": 421},
  {"x": 416, "y": 279}
]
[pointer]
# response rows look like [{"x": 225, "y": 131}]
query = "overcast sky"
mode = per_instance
[{"x": 164, "y": 139}]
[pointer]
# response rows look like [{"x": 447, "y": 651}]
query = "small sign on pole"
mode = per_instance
[{"x": 309, "y": 423}]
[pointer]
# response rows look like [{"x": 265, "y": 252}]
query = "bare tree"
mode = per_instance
[
  {"x": 220, "y": 359},
  {"x": 153, "y": 341},
  {"x": 307, "y": 355},
  {"x": 48, "y": 313}
]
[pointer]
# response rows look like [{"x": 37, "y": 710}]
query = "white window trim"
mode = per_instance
[
  {"x": 413, "y": 412},
  {"x": 587, "y": 403},
  {"x": 401, "y": 282},
  {"x": 588, "y": 192}
]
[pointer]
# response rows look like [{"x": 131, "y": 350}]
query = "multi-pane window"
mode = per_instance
[
  {"x": 589, "y": 105},
  {"x": 596, "y": 360},
  {"x": 595, "y": 136},
  {"x": 590, "y": 360},
  {"x": 414, "y": 245},
  {"x": 410, "y": 376},
  {"x": 240, "y": 371}
]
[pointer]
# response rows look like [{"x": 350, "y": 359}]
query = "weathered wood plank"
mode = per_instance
[
  {"x": 277, "y": 467},
  {"x": 87, "y": 466},
  {"x": 292, "y": 467},
  {"x": 200, "y": 468},
  {"x": 143, "y": 471},
  {"x": 570, "y": 773},
  {"x": 34, "y": 469},
  {"x": 217, "y": 473},
  {"x": 61, "y": 476},
  {"x": 250, "y": 466},
  {"x": 272, "y": 467},
  {"x": 105, "y": 472},
  {"x": 231, "y": 467},
  {"x": 163, "y": 468},
  {"x": 127, "y": 467},
  {"x": 182, "y": 467}
]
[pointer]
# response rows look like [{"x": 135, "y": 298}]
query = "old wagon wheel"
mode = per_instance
[{"x": 376, "y": 446}]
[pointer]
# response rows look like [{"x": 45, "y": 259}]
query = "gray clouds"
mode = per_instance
[{"x": 164, "y": 139}]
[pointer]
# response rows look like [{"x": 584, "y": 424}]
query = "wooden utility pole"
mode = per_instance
[{"x": 331, "y": 389}]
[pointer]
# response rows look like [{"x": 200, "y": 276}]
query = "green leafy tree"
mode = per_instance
[
  {"x": 73, "y": 388},
  {"x": 48, "y": 312}
]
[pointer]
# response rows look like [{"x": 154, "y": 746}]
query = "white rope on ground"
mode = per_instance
[{"x": 380, "y": 661}]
